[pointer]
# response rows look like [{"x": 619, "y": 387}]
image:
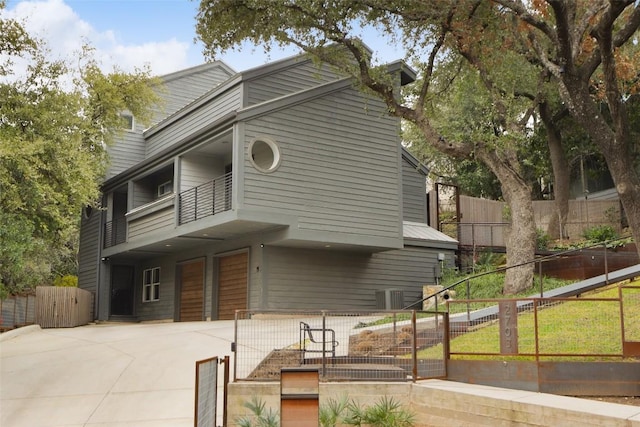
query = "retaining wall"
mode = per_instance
[{"x": 446, "y": 403}]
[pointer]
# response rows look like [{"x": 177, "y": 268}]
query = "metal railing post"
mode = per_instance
[{"x": 195, "y": 204}]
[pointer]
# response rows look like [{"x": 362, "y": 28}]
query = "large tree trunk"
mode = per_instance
[
  {"x": 615, "y": 147},
  {"x": 558, "y": 221},
  {"x": 520, "y": 242},
  {"x": 520, "y": 239}
]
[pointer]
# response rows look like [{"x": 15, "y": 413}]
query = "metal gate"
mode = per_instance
[
  {"x": 630, "y": 313},
  {"x": 206, "y": 400}
]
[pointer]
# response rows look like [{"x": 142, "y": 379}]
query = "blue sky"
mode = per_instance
[
  {"x": 134, "y": 33},
  {"x": 128, "y": 33}
]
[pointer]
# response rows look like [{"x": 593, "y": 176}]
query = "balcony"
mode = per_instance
[
  {"x": 205, "y": 200},
  {"x": 115, "y": 232}
]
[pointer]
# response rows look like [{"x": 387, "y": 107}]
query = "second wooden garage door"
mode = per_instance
[
  {"x": 192, "y": 291},
  {"x": 232, "y": 285}
]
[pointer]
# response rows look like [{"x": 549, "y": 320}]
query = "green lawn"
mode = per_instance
[{"x": 581, "y": 327}]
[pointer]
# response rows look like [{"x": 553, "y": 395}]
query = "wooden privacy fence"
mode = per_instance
[
  {"x": 482, "y": 222},
  {"x": 17, "y": 311},
  {"x": 59, "y": 307}
]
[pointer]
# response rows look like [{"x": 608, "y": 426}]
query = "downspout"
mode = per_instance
[{"x": 96, "y": 306}]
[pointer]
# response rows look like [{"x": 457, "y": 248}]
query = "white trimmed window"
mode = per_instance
[
  {"x": 151, "y": 285},
  {"x": 128, "y": 122},
  {"x": 165, "y": 188}
]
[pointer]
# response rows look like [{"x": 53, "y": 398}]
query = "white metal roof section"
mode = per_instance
[{"x": 421, "y": 234}]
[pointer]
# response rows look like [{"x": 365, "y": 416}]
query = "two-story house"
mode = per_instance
[{"x": 281, "y": 187}]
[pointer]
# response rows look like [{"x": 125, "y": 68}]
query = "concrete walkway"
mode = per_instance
[{"x": 107, "y": 374}]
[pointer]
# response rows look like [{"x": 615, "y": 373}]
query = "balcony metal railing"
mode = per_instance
[
  {"x": 205, "y": 200},
  {"x": 115, "y": 232}
]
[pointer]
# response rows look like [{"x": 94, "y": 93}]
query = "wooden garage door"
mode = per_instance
[
  {"x": 192, "y": 291},
  {"x": 232, "y": 285}
]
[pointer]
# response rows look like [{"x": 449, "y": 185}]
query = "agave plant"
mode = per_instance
[{"x": 261, "y": 417}]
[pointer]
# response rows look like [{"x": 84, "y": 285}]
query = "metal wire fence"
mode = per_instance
[
  {"x": 387, "y": 345},
  {"x": 536, "y": 328},
  {"x": 630, "y": 298}
]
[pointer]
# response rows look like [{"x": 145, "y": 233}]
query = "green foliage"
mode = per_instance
[
  {"x": 260, "y": 416},
  {"x": 331, "y": 412},
  {"x": 487, "y": 261},
  {"x": 52, "y": 155},
  {"x": 386, "y": 412},
  {"x": 542, "y": 240},
  {"x": 490, "y": 285},
  {"x": 66, "y": 281},
  {"x": 600, "y": 233}
]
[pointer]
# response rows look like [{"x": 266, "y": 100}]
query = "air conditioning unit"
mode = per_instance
[{"x": 390, "y": 299}]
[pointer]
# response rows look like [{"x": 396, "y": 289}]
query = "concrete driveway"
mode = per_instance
[{"x": 106, "y": 374}]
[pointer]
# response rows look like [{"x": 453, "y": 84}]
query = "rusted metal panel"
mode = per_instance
[
  {"x": 590, "y": 262},
  {"x": 590, "y": 378},
  {"x": 507, "y": 374},
  {"x": 631, "y": 349},
  {"x": 563, "y": 378}
]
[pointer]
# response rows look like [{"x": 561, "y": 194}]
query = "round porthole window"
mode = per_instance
[
  {"x": 264, "y": 154},
  {"x": 87, "y": 211}
]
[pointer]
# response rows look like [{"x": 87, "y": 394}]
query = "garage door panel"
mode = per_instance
[
  {"x": 232, "y": 282},
  {"x": 192, "y": 291}
]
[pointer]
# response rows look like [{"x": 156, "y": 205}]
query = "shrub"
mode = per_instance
[
  {"x": 542, "y": 240},
  {"x": 68, "y": 281},
  {"x": 386, "y": 412},
  {"x": 261, "y": 416},
  {"x": 600, "y": 233}
]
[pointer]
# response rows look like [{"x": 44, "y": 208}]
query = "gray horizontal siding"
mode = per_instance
[
  {"x": 151, "y": 223},
  {"x": 88, "y": 253},
  {"x": 195, "y": 121},
  {"x": 286, "y": 81},
  {"x": 127, "y": 150},
  {"x": 165, "y": 307},
  {"x": 130, "y": 148},
  {"x": 339, "y": 169},
  {"x": 181, "y": 91},
  {"x": 414, "y": 195},
  {"x": 142, "y": 194},
  {"x": 316, "y": 279},
  {"x": 198, "y": 170}
]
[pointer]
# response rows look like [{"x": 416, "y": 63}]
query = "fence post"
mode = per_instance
[
  {"x": 225, "y": 390},
  {"x": 445, "y": 341},
  {"x": 473, "y": 243},
  {"x": 535, "y": 327},
  {"x": 414, "y": 347},
  {"x": 324, "y": 343},
  {"x": 540, "y": 273},
  {"x": 606, "y": 264},
  {"x": 468, "y": 298}
]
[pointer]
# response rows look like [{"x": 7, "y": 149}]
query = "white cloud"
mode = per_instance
[
  {"x": 164, "y": 57},
  {"x": 65, "y": 33}
]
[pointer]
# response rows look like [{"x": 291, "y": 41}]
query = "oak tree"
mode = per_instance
[{"x": 56, "y": 120}]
